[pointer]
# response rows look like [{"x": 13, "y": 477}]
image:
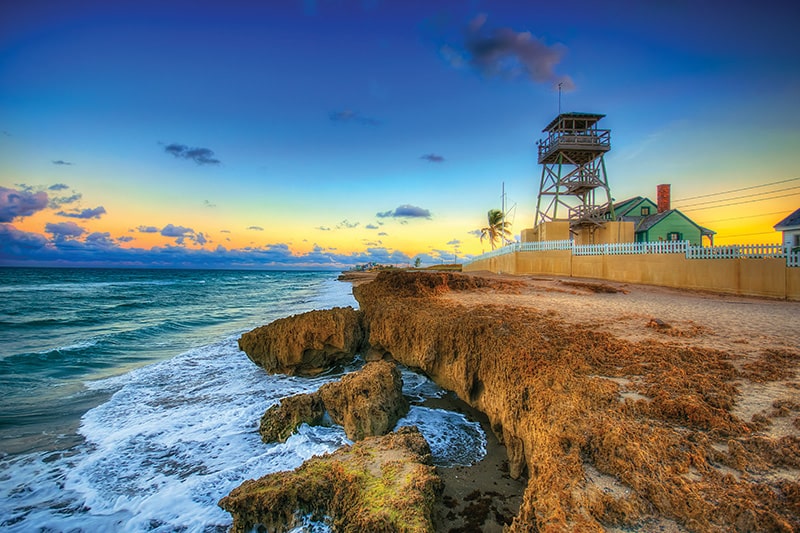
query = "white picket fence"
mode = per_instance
[{"x": 734, "y": 251}]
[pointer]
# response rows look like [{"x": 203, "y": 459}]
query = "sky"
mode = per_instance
[{"x": 316, "y": 134}]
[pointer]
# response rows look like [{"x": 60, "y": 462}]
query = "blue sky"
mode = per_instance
[{"x": 320, "y": 134}]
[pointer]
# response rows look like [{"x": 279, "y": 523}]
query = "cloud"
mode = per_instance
[
  {"x": 406, "y": 211},
  {"x": 97, "y": 212},
  {"x": 125, "y": 238},
  {"x": 147, "y": 229},
  {"x": 19, "y": 248},
  {"x": 200, "y": 239},
  {"x": 346, "y": 224},
  {"x": 206, "y": 203},
  {"x": 57, "y": 202},
  {"x": 175, "y": 231},
  {"x": 508, "y": 54},
  {"x": 15, "y": 243},
  {"x": 224, "y": 231},
  {"x": 64, "y": 230},
  {"x": 256, "y": 228},
  {"x": 454, "y": 242},
  {"x": 14, "y": 203},
  {"x": 383, "y": 234},
  {"x": 323, "y": 228},
  {"x": 58, "y": 187},
  {"x": 349, "y": 115},
  {"x": 62, "y": 162},
  {"x": 433, "y": 158},
  {"x": 201, "y": 156},
  {"x": 475, "y": 232},
  {"x": 372, "y": 226},
  {"x": 100, "y": 239}
]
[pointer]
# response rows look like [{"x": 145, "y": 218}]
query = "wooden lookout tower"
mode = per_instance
[{"x": 574, "y": 186}]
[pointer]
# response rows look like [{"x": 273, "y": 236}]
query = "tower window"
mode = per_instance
[{"x": 645, "y": 211}]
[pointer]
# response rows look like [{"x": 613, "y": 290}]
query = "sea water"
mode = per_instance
[{"x": 126, "y": 405}]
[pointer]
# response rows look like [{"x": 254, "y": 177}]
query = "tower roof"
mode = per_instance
[{"x": 587, "y": 119}]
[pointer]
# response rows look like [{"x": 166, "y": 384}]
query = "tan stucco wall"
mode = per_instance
[
  {"x": 746, "y": 277},
  {"x": 793, "y": 284},
  {"x": 546, "y": 231},
  {"x": 610, "y": 233},
  {"x": 555, "y": 262}
]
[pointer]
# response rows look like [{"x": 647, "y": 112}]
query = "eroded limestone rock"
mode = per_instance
[
  {"x": 367, "y": 403},
  {"x": 281, "y": 420},
  {"x": 379, "y": 484},
  {"x": 305, "y": 344}
]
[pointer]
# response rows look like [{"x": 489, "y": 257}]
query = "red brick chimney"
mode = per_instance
[{"x": 663, "y": 197}]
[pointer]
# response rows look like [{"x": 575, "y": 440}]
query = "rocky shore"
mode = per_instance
[{"x": 606, "y": 429}]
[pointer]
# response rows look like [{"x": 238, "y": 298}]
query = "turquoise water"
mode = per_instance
[{"x": 125, "y": 404}]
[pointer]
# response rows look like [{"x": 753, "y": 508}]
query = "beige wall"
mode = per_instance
[
  {"x": 546, "y": 231},
  {"x": 747, "y": 277}
]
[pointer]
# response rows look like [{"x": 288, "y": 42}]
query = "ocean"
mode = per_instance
[{"x": 126, "y": 405}]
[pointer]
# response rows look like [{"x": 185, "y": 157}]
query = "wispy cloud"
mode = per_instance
[
  {"x": 201, "y": 156},
  {"x": 255, "y": 228},
  {"x": 15, "y": 203},
  {"x": 58, "y": 187},
  {"x": 62, "y": 162},
  {"x": 346, "y": 224},
  {"x": 406, "y": 211},
  {"x": 57, "y": 202},
  {"x": 509, "y": 54},
  {"x": 433, "y": 158},
  {"x": 147, "y": 229},
  {"x": 348, "y": 115},
  {"x": 323, "y": 228},
  {"x": 206, "y": 203},
  {"x": 97, "y": 212}
]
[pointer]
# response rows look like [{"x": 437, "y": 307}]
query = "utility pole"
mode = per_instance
[{"x": 503, "y": 209}]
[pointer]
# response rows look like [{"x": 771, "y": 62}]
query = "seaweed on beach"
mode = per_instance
[
  {"x": 654, "y": 419},
  {"x": 772, "y": 365}
]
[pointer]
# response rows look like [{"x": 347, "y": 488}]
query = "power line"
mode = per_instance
[
  {"x": 742, "y": 218},
  {"x": 736, "y": 190},
  {"x": 740, "y": 203},
  {"x": 743, "y": 235},
  {"x": 744, "y": 196}
]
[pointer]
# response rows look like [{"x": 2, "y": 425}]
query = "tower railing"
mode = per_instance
[{"x": 594, "y": 139}]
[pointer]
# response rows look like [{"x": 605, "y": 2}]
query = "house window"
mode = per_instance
[
  {"x": 674, "y": 236},
  {"x": 646, "y": 211}
]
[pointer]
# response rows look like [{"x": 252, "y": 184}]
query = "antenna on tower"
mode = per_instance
[{"x": 559, "y": 96}]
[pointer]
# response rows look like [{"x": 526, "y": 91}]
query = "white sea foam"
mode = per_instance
[
  {"x": 178, "y": 435},
  {"x": 454, "y": 439},
  {"x": 174, "y": 439}
]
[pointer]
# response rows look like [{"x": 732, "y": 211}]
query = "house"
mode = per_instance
[
  {"x": 790, "y": 226},
  {"x": 658, "y": 222}
]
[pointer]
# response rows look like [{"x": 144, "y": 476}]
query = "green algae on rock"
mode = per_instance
[{"x": 379, "y": 484}]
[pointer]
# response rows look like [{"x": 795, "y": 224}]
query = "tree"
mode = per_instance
[
  {"x": 417, "y": 262},
  {"x": 497, "y": 228}
]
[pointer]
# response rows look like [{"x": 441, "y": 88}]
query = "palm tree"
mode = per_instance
[{"x": 497, "y": 228}]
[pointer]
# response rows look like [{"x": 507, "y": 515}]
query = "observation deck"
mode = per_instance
[{"x": 574, "y": 138}]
